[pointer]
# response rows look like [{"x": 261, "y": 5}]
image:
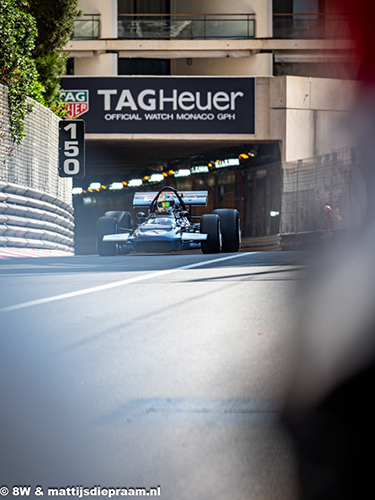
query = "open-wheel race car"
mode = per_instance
[{"x": 169, "y": 226}]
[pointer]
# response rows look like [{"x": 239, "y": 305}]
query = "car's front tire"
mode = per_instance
[
  {"x": 210, "y": 225},
  {"x": 230, "y": 229},
  {"x": 124, "y": 219},
  {"x": 106, "y": 225}
]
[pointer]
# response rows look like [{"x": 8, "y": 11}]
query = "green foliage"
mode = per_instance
[
  {"x": 18, "y": 70},
  {"x": 54, "y": 21},
  {"x": 32, "y": 36}
]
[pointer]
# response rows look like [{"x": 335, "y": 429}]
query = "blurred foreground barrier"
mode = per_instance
[{"x": 32, "y": 218}]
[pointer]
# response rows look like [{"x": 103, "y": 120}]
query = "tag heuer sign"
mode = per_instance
[
  {"x": 77, "y": 101},
  {"x": 162, "y": 105}
]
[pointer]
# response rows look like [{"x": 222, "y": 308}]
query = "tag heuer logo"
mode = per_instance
[{"x": 77, "y": 102}]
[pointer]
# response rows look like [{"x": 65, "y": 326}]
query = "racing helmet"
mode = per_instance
[{"x": 165, "y": 203}]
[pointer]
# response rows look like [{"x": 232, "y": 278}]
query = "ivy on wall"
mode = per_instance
[
  {"x": 17, "y": 67},
  {"x": 32, "y": 36}
]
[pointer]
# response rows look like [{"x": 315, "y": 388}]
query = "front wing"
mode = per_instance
[{"x": 166, "y": 242}]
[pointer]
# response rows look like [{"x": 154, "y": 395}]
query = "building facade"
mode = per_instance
[{"x": 206, "y": 94}]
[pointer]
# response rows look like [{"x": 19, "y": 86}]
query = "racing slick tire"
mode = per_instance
[
  {"x": 106, "y": 225},
  {"x": 124, "y": 219},
  {"x": 210, "y": 224},
  {"x": 230, "y": 229}
]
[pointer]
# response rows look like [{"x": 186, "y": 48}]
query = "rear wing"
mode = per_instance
[{"x": 192, "y": 198}]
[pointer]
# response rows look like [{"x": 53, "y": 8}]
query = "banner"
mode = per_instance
[{"x": 161, "y": 105}]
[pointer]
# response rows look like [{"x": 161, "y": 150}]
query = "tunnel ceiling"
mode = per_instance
[{"x": 116, "y": 157}]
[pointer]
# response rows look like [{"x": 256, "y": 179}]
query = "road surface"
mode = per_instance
[{"x": 148, "y": 371}]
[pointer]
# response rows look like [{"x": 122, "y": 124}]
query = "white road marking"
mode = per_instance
[{"x": 116, "y": 284}]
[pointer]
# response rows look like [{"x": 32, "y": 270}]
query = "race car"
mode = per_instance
[{"x": 169, "y": 226}]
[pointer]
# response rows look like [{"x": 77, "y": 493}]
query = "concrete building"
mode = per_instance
[{"x": 222, "y": 92}]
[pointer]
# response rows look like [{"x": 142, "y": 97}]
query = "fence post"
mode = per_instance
[{"x": 299, "y": 166}]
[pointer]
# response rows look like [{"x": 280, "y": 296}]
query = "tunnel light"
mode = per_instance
[
  {"x": 156, "y": 178},
  {"x": 274, "y": 213},
  {"x": 77, "y": 190},
  {"x": 183, "y": 172},
  {"x": 229, "y": 162},
  {"x": 116, "y": 185},
  {"x": 95, "y": 185},
  {"x": 201, "y": 169},
  {"x": 135, "y": 183}
]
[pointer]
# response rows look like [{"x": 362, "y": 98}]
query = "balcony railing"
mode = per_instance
[
  {"x": 87, "y": 27},
  {"x": 312, "y": 26},
  {"x": 186, "y": 26}
]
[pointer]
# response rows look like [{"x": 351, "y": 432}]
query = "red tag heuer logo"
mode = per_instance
[{"x": 77, "y": 102}]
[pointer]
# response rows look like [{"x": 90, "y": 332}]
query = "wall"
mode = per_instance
[
  {"x": 108, "y": 15},
  {"x": 309, "y": 114},
  {"x": 96, "y": 65},
  {"x": 254, "y": 65}
]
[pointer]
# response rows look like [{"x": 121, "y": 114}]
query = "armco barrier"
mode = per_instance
[
  {"x": 32, "y": 218},
  {"x": 261, "y": 244}
]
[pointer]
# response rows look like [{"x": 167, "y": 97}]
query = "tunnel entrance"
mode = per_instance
[{"x": 245, "y": 176}]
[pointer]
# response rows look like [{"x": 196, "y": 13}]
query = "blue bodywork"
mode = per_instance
[{"x": 161, "y": 233}]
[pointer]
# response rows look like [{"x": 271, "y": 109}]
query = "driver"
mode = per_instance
[{"x": 165, "y": 203}]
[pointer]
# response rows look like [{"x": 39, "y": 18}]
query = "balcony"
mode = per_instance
[
  {"x": 312, "y": 26},
  {"x": 186, "y": 26},
  {"x": 86, "y": 27}
]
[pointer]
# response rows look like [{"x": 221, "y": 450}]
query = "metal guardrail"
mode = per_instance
[
  {"x": 186, "y": 26},
  {"x": 261, "y": 244},
  {"x": 32, "y": 218},
  {"x": 87, "y": 28}
]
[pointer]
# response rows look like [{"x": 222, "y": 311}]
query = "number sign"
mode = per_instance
[{"x": 72, "y": 148}]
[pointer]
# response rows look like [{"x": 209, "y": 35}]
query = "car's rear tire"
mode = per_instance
[
  {"x": 230, "y": 229},
  {"x": 210, "y": 225},
  {"x": 124, "y": 219},
  {"x": 106, "y": 225}
]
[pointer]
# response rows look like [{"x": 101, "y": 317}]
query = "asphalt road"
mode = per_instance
[{"x": 147, "y": 371}]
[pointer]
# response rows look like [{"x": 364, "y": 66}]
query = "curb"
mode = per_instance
[{"x": 14, "y": 253}]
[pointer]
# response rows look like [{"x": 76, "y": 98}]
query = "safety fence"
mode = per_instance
[
  {"x": 35, "y": 203},
  {"x": 321, "y": 193}
]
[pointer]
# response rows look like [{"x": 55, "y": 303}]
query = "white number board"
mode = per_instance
[{"x": 72, "y": 148}]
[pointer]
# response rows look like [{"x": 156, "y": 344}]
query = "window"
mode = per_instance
[
  {"x": 143, "y": 6},
  {"x": 144, "y": 66},
  {"x": 70, "y": 66}
]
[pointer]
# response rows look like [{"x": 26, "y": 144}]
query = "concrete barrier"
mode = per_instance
[{"x": 34, "y": 219}]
